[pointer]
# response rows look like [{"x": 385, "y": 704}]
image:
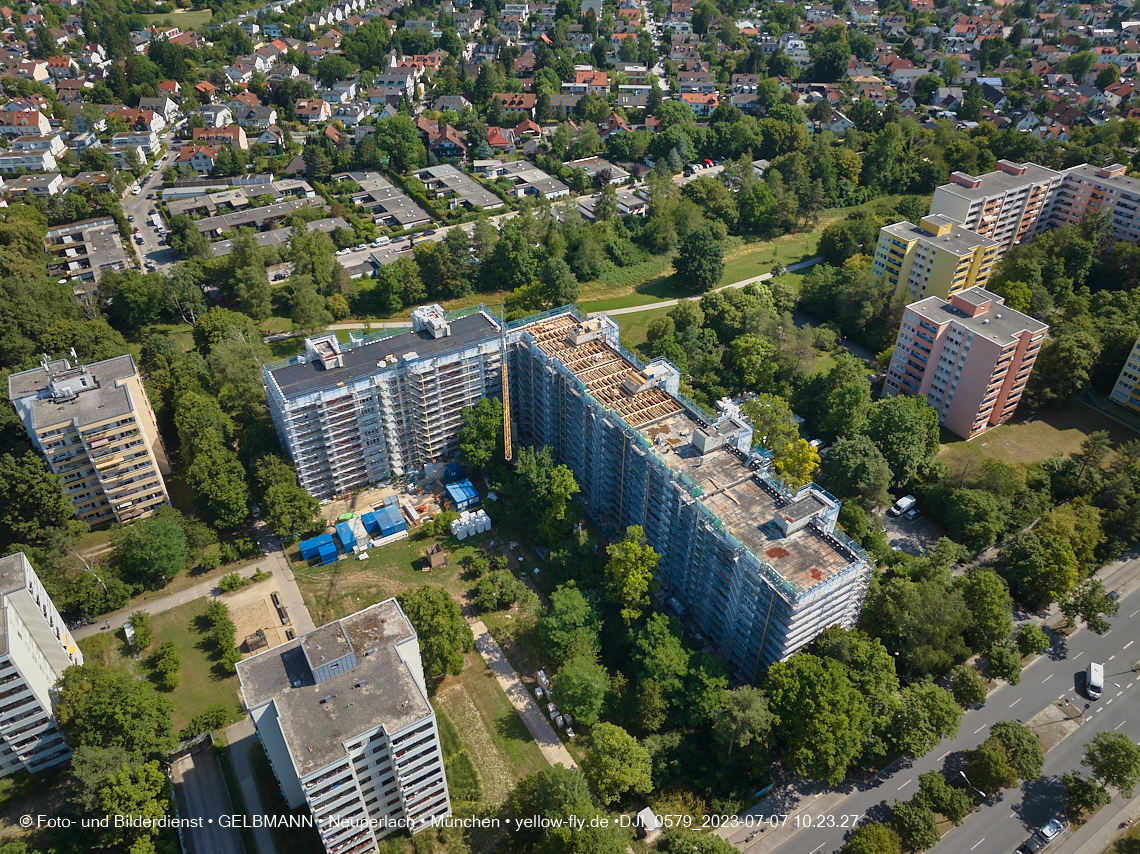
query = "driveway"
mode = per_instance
[
  {"x": 912, "y": 536},
  {"x": 545, "y": 737},
  {"x": 201, "y": 792}
]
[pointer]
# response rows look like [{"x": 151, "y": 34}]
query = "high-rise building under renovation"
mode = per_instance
[
  {"x": 35, "y": 648},
  {"x": 756, "y": 569},
  {"x": 382, "y": 405},
  {"x": 94, "y": 425},
  {"x": 344, "y": 717}
]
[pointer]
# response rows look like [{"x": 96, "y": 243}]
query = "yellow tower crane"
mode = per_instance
[{"x": 506, "y": 398}]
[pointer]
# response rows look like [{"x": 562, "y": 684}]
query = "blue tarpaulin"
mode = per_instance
[
  {"x": 345, "y": 535},
  {"x": 463, "y": 494},
  {"x": 322, "y": 547}
]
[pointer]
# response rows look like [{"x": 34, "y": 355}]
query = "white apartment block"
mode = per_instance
[
  {"x": 1087, "y": 189},
  {"x": 344, "y": 717},
  {"x": 1008, "y": 205},
  {"x": 29, "y": 161},
  {"x": 35, "y": 648},
  {"x": 377, "y": 407},
  {"x": 94, "y": 425}
]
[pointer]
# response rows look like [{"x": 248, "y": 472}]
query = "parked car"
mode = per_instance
[
  {"x": 360, "y": 247},
  {"x": 1050, "y": 830},
  {"x": 913, "y": 513},
  {"x": 343, "y": 251},
  {"x": 429, "y": 232},
  {"x": 139, "y": 241},
  {"x": 279, "y": 277},
  {"x": 131, "y": 218},
  {"x": 135, "y": 230},
  {"x": 902, "y": 505},
  {"x": 136, "y": 191}
]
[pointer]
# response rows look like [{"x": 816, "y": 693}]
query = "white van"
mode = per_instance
[
  {"x": 1094, "y": 680},
  {"x": 902, "y": 505}
]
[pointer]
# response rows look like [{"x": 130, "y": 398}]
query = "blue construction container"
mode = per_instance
[
  {"x": 322, "y": 547},
  {"x": 371, "y": 523},
  {"x": 391, "y": 520},
  {"x": 346, "y": 537},
  {"x": 462, "y": 494},
  {"x": 453, "y": 471}
]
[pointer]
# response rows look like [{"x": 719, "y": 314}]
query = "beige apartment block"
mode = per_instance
[
  {"x": 94, "y": 425},
  {"x": 1087, "y": 190},
  {"x": 1009, "y": 205},
  {"x": 969, "y": 357},
  {"x": 937, "y": 257}
]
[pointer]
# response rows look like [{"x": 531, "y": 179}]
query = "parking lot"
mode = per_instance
[{"x": 912, "y": 536}]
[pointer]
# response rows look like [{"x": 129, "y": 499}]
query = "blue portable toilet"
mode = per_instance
[
  {"x": 321, "y": 547},
  {"x": 346, "y": 537}
]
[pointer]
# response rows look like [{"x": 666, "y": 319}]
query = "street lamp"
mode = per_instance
[{"x": 972, "y": 786}]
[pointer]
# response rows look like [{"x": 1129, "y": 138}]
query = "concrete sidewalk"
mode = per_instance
[{"x": 548, "y": 742}]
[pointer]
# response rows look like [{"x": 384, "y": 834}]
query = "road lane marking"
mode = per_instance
[
  {"x": 1015, "y": 702},
  {"x": 904, "y": 785},
  {"x": 816, "y": 848},
  {"x": 1118, "y": 726},
  {"x": 1078, "y": 655},
  {"x": 1134, "y": 613},
  {"x": 1106, "y": 634},
  {"x": 1127, "y": 645},
  {"x": 1111, "y": 657},
  {"x": 943, "y": 756},
  {"x": 1110, "y": 702},
  {"x": 979, "y": 729},
  {"x": 976, "y": 844},
  {"x": 1118, "y": 693},
  {"x": 1047, "y": 678}
]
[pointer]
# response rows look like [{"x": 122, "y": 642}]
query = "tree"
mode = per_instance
[
  {"x": 936, "y": 794},
  {"x": 307, "y": 308},
  {"x": 700, "y": 259},
  {"x": 1025, "y": 753},
  {"x": 141, "y": 791},
  {"x": 873, "y": 837},
  {"x": 480, "y": 433},
  {"x": 969, "y": 686},
  {"x": 1084, "y": 795},
  {"x": 444, "y": 635},
  {"x": 140, "y": 622},
  {"x": 166, "y": 663},
  {"x": 616, "y": 764},
  {"x": 915, "y": 824},
  {"x": 1040, "y": 569},
  {"x": 822, "y": 720},
  {"x": 744, "y": 719},
  {"x": 1032, "y": 640},
  {"x": 660, "y": 654},
  {"x": 836, "y": 403},
  {"x": 1004, "y": 662},
  {"x": 1090, "y": 602},
  {"x": 98, "y": 707},
  {"x": 796, "y": 463},
  {"x": 32, "y": 502},
  {"x": 562, "y": 794},
  {"x": 152, "y": 551},
  {"x": 988, "y": 767},
  {"x": 975, "y": 518},
  {"x": 217, "y": 480},
  {"x": 629, "y": 574},
  {"x": 773, "y": 425},
  {"x": 855, "y": 469},
  {"x": 652, "y": 705},
  {"x": 927, "y": 715},
  {"x": 1113, "y": 759},
  {"x": 684, "y": 841},
  {"x": 569, "y": 627},
  {"x": 580, "y": 686},
  {"x": 990, "y": 606},
  {"x": 290, "y": 512},
  {"x": 1107, "y": 76},
  {"x": 905, "y": 430}
]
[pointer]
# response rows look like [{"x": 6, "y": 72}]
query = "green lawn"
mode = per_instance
[
  {"x": 204, "y": 683},
  {"x": 1054, "y": 431},
  {"x": 634, "y": 326},
  {"x": 180, "y": 18}
]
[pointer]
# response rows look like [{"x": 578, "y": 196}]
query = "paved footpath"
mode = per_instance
[
  {"x": 545, "y": 737},
  {"x": 242, "y": 736}
]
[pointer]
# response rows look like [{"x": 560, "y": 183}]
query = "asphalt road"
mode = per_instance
[
  {"x": 1006, "y": 820},
  {"x": 139, "y": 207},
  {"x": 201, "y": 792}
]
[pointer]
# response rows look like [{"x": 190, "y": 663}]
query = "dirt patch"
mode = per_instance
[
  {"x": 495, "y": 777},
  {"x": 259, "y": 615},
  {"x": 1055, "y": 723}
]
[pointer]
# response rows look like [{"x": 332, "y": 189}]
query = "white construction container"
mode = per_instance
[{"x": 471, "y": 526}]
